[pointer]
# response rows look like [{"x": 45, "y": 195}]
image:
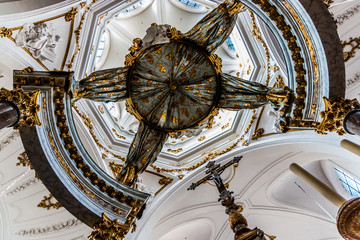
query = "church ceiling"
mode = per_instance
[{"x": 108, "y": 129}]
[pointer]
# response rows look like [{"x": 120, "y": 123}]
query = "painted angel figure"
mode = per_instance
[{"x": 175, "y": 83}]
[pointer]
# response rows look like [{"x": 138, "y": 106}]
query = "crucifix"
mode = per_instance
[{"x": 237, "y": 221}]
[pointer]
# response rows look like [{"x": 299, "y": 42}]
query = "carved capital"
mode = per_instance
[
  {"x": 334, "y": 114},
  {"x": 26, "y": 103},
  {"x": 348, "y": 219}
]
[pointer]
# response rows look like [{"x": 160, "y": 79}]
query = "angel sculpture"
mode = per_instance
[{"x": 175, "y": 83}]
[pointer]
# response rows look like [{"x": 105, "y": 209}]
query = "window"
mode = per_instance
[
  {"x": 190, "y": 6},
  {"x": 230, "y": 44},
  {"x": 133, "y": 7},
  {"x": 190, "y": 3},
  {"x": 100, "y": 48},
  {"x": 350, "y": 183}
]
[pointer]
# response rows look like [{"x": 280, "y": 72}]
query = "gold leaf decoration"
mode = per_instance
[
  {"x": 47, "y": 203},
  {"x": 334, "y": 114},
  {"x": 71, "y": 14},
  {"x": 27, "y": 105}
]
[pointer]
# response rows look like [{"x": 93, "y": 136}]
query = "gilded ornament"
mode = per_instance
[
  {"x": 307, "y": 41},
  {"x": 217, "y": 62},
  {"x": 211, "y": 118},
  {"x": 201, "y": 138},
  {"x": 71, "y": 14},
  {"x": 26, "y": 70},
  {"x": 88, "y": 123},
  {"x": 129, "y": 177},
  {"x": 67, "y": 168},
  {"x": 175, "y": 150},
  {"x": 101, "y": 17},
  {"x": 47, "y": 203},
  {"x": 108, "y": 229},
  {"x": 354, "y": 44},
  {"x": 257, "y": 134},
  {"x": 211, "y": 155},
  {"x": 236, "y": 7},
  {"x": 328, "y": 3},
  {"x": 117, "y": 134},
  {"x": 101, "y": 109},
  {"x": 225, "y": 126},
  {"x": 279, "y": 82},
  {"x": 27, "y": 105},
  {"x": 348, "y": 219},
  {"x": 5, "y": 32},
  {"x": 165, "y": 180},
  {"x": 174, "y": 34},
  {"x": 77, "y": 40},
  {"x": 334, "y": 114},
  {"x": 257, "y": 33},
  {"x": 130, "y": 58},
  {"x": 24, "y": 160}
]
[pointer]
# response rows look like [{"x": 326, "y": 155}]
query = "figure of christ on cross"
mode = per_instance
[
  {"x": 237, "y": 221},
  {"x": 175, "y": 84}
]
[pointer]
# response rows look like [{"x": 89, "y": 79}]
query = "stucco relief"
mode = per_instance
[
  {"x": 9, "y": 139},
  {"x": 40, "y": 39},
  {"x": 156, "y": 34},
  {"x": 49, "y": 229}
]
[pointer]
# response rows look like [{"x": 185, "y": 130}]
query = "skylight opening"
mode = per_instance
[
  {"x": 350, "y": 183},
  {"x": 190, "y": 6},
  {"x": 102, "y": 50},
  {"x": 133, "y": 7},
  {"x": 230, "y": 44},
  {"x": 190, "y": 3}
]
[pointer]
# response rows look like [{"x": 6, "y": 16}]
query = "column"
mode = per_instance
[
  {"x": 352, "y": 147},
  {"x": 352, "y": 122},
  {"x": 319, "y": 186},
  {"x": 9, "y": 114},
  {"x": 348, "y": 216}
]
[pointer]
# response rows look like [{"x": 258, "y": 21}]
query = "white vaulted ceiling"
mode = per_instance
[{"x": 261, "y": 182}]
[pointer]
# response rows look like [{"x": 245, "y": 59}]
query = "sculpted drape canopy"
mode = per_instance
[{"x": 173, "y": 82}]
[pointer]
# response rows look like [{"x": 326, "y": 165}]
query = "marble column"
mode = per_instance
[
  {"x": 348, "y": 216},
  {"x": 352, "y": 122},
  {"x": 352, "y": 147},
  {"x": 319, "y": 186},
  {"x": 9, "y": 114}
]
